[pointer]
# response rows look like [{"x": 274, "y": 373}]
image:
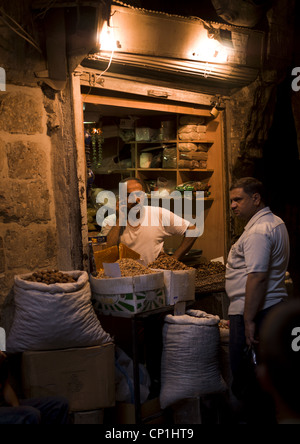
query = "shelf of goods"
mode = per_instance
[
  {"x": 191, "y": 156},
  {"x": 176, "y": 152}
]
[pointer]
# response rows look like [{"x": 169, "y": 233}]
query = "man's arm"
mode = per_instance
[
  {"x": 255, "y": 296},
  {"x": 185, "y": 246},
  {"x": 114, "y": 235}
]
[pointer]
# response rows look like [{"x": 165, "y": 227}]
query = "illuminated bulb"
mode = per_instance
[
  {"x": 107, "y": 38},
  {"x": 210, "y": 50}
]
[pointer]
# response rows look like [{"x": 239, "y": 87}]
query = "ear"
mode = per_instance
[{"x": 256, "y": 199}]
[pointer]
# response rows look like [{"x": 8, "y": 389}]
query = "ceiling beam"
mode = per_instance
[
  {"x": 143, "y": 104},
  {"x": 93, "y": 78}
]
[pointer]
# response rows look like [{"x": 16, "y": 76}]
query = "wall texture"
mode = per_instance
[
  {"x": 263, "y": 126},
  {"x": 40, "y": 218}
]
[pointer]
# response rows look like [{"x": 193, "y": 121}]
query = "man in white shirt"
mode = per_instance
[
  {"x": 255, "y": 270},
  {"x": 154, "y": 225}
]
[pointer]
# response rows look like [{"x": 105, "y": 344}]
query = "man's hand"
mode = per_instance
[
  {"x": 250, "y": 329},
  {"x": 185, "y": 246},
  {"x": 255, "y": 297}
]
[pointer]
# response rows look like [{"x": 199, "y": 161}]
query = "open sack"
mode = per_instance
[{"x": 55, "y": 316}]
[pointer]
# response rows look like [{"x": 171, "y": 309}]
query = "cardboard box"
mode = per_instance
[
  {"x": 85, "y": 376},
  {"x": 93, "y": 417},
  {"x": 179, "y": 285},
  {"x": 126, "y": 296},
  {"x": 112, "y": 254},
  {"x": 151, "y": 413}
]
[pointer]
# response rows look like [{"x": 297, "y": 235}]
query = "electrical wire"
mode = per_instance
[
  {"x": 109, "y": 65},
  {"x": 20, "y": 32},
  {"x": 96, "y": 80},
  {"x": 15, "y": 22},
  {"x": 42, "y": 14}
]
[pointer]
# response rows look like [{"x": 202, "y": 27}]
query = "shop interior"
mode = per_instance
[
  {"x": 152, "y": 145},
  {"x": 121, "y": 142},
  {"x": 186, "y": 99}
]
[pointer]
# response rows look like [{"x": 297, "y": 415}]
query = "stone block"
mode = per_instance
[
  {"x": 25, "y": 160},
  {"x": 31, "y": 248},
  {"x": 20, "y": 114},
  {"x": 24, "y": 202}
]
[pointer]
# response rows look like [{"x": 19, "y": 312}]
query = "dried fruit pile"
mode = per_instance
[
  {"x": 50, "y": 277},
  {"x": 209, "y": 268},
  {"x": 166, "y": 262},
  {"x": 129, "y": 268},
  {"x": 210, "y": 276}
]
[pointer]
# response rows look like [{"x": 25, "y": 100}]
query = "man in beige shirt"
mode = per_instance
[{"x": 154, "y": 224}]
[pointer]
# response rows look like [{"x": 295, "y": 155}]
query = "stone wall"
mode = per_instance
[
  {"x": 27, "y": 213},
  {"x": 40, "y": 215},
  {"x": 40, "y": 221}
]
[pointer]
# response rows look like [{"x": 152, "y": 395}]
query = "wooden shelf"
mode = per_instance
[
  {"x": 197, "y": 170},
  {"x": 157, "y": 169},
  {"x": 162, "y": 142},
  {"x": 206, "y": 199},
  {"x": 211, "y": 142},
  {"x": 165, "y": 142}
]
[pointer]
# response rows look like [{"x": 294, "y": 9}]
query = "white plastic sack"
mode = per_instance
[
  {"x": 56, "y": 316},
  {"x": 124, "y": 379},
  {"x": 190, "y": 358}
]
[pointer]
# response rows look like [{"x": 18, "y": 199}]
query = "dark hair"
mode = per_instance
[
  {"x": 250, "y": 185},
  {"x": 135, "y": 179}
]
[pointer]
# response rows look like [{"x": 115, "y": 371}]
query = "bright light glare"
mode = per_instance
[
  {"x": 107, "y": 38},
  {"x": 210, "y": 50}
]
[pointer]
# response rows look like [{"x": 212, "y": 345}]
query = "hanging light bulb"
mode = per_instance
[
  {"x": 209, "y": 49},
  {"x": 107, "y": 38}
]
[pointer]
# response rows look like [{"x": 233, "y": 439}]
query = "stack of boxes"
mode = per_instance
[
  {"x": 58, "y": 336},
  {"x": 84, "y": 376}
]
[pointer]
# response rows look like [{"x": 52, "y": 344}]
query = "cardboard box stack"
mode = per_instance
[
  {"x": 85, "y": 376},
  {"x": 65, "y": 351}
]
